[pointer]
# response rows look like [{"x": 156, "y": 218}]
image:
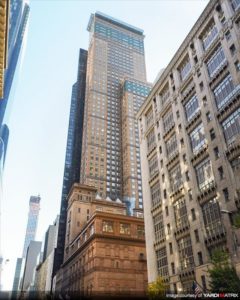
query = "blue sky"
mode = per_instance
[{"x": 39, "y": 115}]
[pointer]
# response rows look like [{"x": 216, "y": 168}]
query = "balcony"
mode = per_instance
[
  {"x": 231, "y": 102},
  {"x": 233, "y": 150},
  {"x": 207, "y": 192},
  {"x": 215, "y": 237},
  {"x": 186, "y": 272}
]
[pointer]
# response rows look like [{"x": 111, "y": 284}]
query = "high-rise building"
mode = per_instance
[
  {"x": 190, "y": 139},
  {"x": 34, "y": 207},
  {"x": 73, "y": 151},
  {"x": 3, "y": 41},
  {"x": 134, "y": 93},
  {"x": 116, "y": 50},
  {"x": 104, "y": 248},
  {"x": 18, "y": 17},
  {"x": 32, "y": 256}
]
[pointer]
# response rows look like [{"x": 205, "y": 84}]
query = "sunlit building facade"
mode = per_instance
[
  {"x": 190, "y": 147},
  {"x": 116, "y": 50}
]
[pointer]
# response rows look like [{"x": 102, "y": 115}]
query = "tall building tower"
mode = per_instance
[
  {"x": 34, "y": 207},
  {"x": 190, "y": 152},
  {"x": 116, "y": 50},
  {"x": 73, "y": 152}
]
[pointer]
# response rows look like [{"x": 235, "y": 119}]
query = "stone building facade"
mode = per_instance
[
  {"x": 104, "y": 249},
  {"x": 190, "y": 152}
]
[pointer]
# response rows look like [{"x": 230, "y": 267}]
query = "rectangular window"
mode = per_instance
[
  {"x": 216, "y": 61},
  {"x": 162, "y": 262},
  {"x": 124, "y": 228},
  {"x": 140, "y": 231},
  {"x": 185, "y": 253},
  {"x": 191, "y": 108},
  {"x": 212, "y": 218},
  {"x": 175, "y": 178},
  {"x": 235, "y": 4},
  {"x": 204, "y": 174},
  {"x": 149, "y": 118},
  {"x": 168, "y": 121},
  {"x": 159, "y": 226},
  {"x": 231, "y": 126},
  {"x": 196, "y": 236},
  {"x": 171, "y": 146},
  {"x": 155, "y": 194},
  {"x": 223, "y": 92},
  {"x": 180, "y": 213},
  {"x": 185, "y": 69},
  {"x": 210, "y": 36},
  {"x": 153, "y": 165},
  {"x": 197, "y": 138},
  {"x": 107, "y": 226},
  {"x": 151, "y": 143},
  {"x": 164, "y": 95}
]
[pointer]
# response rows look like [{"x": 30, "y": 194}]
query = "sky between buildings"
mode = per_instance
[{"x": 39, "y": 115}]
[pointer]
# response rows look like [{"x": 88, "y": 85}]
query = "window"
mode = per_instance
[
  {"x": 231, "y": 126},
  {"x": 140, "y": 231},
  {"x": 228, "y": 35},
  {"x": 175, "y": 178},
  {"x": 209, "y": 36},
  {"x": 78, "y": 223},
  {"x": 185, "y": 69},
  {"x": 158, "y": 226},
  {"x": 197, "y": 138},
  {"x": 168, "y": 121},
  {"x": 191, "y": 108},
  {"x": 149, "y": 118},
  {"x": 193, "y": 214},
  {"x": 124, "y": 228},
  {"x": 215, "y": 62},
  {"x": 153, "y": 166},
  {"x": 204, "y": 174},
  {"x": 151, "y": 140},
  {"x": 235, "y": 4},
  {"x": 155, "y": 194},
  {"x": 212, "y": 134},
  {"x": 166, "y": 210},
  {"x": 216, "y": 152},
  {"x": 208, "y": 116},
  {"x": 190, "y": 196},
  {"x": 180, "y": 214},
  {"x": 223, "y": 91},
  {"x": 221, "y": 173},
  {"x": 107, "y": 226},
  {"x": 196, "y": 236},
  {"x": 204, "y": 283},
  {"x": 185, "y": 253},
  {"x": 200, "y": 258},
  {"x": 162, "y": 262},
  {"x": 232, "y": 49},
  {"x": 237, "y": 65},
  {"x": 212, "y": 218},
  {"x": 226, "y": 194},
  {"x": 173, "y": 268},
  {"x": 170, "y": 248},
  {"x": 187, "y": 176},
  {"x": 79, "y": 209},
  {"x": 164, "y": 95},
  {"x": 171, "y": 146},
  {"x": 168, "y": 228}
]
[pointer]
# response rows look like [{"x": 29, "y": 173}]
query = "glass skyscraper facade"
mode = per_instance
[{"x": 73, "y": 151}]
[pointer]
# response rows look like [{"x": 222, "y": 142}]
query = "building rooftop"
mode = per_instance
[{"x": 113, "y": 21}]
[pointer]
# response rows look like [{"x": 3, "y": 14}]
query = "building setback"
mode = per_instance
[
  {"x": 104, "y": 248},
  {"x": 190, "y": 140}
]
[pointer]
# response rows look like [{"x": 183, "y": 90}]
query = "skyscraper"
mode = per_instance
[
  {"x": 34, "y": 207},
  {"x": 116, "y": 50},
  {"x": 18, "y": 18},
  {"x": 190, "y": 153},
  {"x": 73, "y": 151}
]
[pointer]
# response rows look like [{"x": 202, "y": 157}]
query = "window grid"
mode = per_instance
[
  {"x": 204, "y": 174},
  {"x": 197, "y": 138},
  {"x": 216, "y": 61},
  {"x": 231, "y": 126},
  {"x": 223, "y": 91},
  {"x": 191, "y": 108}
]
